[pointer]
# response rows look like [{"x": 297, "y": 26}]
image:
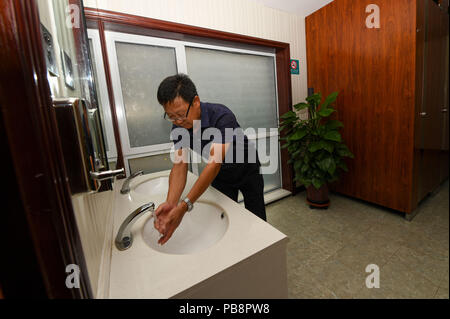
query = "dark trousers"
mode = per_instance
[{"x": 247, "y": 179}]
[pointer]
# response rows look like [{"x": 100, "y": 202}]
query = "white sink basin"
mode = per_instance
[
  {"x": 200, "y": 228},
  {"x": 153, "y": 186}
]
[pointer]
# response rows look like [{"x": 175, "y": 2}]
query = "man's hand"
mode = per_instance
[
  {"x": 162, "y": 210},
  {"x": 168, "y": 218}
]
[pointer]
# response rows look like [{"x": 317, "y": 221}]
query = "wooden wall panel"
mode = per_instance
[{"x": 374, "y": 71}]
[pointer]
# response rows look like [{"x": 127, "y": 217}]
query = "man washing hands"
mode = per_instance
[
  {"x": 170, "y": 213},
  {"x": 178, "y": 95}
]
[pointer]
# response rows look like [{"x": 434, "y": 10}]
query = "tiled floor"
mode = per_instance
[{"x": 329, "y": 249}]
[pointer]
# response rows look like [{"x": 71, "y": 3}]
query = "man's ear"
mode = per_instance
[{"x": 196, "y": 102}]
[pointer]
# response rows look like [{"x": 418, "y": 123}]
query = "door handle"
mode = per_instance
[{"x": 101, "y": 176}]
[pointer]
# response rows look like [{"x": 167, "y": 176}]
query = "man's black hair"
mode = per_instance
[{"x": 176, "y": 85}]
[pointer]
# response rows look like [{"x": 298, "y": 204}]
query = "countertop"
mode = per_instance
[{"x": 142, "y": 272}]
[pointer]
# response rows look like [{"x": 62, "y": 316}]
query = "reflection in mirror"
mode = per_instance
[
  {"x": 102, "y": 96},
  {"x": 70, "y": 72},
  {"x": 75, "y": 129}
]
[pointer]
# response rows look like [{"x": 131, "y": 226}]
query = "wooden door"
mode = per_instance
[
  {"x": 445, "y": 112},
  {"x": 433, "y": 99},
  {"x": 373, "y": 69}
]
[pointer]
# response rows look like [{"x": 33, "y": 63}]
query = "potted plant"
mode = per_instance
[{"x": 315, "y": 147}]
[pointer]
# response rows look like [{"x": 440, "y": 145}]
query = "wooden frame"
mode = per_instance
[
  {"x": 115, "y": 21},
  {"x": 43, "y": 195}
]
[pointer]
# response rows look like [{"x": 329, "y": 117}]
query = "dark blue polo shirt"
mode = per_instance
[{"x": 222, "y": 118}]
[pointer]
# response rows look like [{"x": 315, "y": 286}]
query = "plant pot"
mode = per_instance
[{"x": 318, "y": 198}]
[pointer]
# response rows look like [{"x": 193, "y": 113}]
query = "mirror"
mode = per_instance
[{"x": 71, "y": 77}]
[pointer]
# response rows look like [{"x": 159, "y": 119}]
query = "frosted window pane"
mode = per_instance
[
  {"x": 112, "y": 165},
  {"x": 243, "y": 82},
  {"x": 151, "y": 164},
  {"x": 271, "y": 181},
  {"x": 142, "y": 68}
]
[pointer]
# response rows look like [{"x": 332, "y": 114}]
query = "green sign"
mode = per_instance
[{"x": 295, "y": 67}]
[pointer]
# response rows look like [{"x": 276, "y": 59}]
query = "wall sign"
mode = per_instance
[
  {"x": 68, "y": 70},
  {"x": 295, "y": 67},
  {"x": 49, "y": 51}
]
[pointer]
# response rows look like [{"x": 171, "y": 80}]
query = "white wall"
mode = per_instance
[
  {"x": 301, "y": 7},
  {"x": 237, "y": 16},
  {"x": 51, "y": 15}
]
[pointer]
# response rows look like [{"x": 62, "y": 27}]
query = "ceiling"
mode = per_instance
[{"x": 299, "y": 7}]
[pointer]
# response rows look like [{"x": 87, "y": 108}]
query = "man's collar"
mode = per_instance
[{"x": 204, "y": 116}]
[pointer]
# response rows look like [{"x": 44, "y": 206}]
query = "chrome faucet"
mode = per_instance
[
  {"x": 126, "y": 184},
  {"x": 101, "y": 176},
  {"x": 124, "y": 239}
]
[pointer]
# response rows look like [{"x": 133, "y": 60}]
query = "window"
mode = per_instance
[{"x": 243, "y": 80}]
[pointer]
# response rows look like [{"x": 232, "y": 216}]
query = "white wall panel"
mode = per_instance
[{"x": 237, "y": 16}]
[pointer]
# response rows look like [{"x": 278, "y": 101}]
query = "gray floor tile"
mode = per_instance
[
  {"x": 329, "y": 249},
  {"x": 445, "y": 281},
  {"x": 434, "y": 267},
  {"x": 303, "y": 286},
  {"x": 343, "y": 282},
  {"x": 358, "y": 256},
  {"x": 442, "y": 293},
  {"x": 396, "y": 278},
  {"x": 376, "y": 293},
  {"x": 302, "y": 252}
]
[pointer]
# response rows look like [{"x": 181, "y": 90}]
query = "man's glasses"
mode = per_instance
[{"x": 178, "y": 119}]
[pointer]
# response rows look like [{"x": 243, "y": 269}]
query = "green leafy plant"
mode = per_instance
[{"x": 315, "y": 145}]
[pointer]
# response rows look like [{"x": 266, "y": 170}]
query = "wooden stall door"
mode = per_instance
[{"x": 373, "y": 70}]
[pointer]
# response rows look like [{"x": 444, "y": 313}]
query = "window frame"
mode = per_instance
[
  {"x": 112, "y": 37},
  {"x": 94, "y": 36}
]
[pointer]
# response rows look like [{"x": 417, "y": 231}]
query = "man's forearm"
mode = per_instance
[
  {"x": 177, "y": 182},
  {"x": 204, "y": 180}
]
